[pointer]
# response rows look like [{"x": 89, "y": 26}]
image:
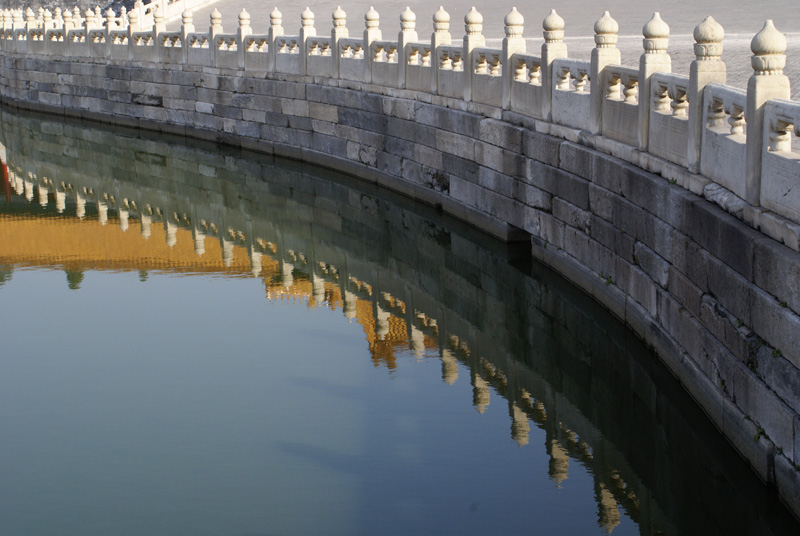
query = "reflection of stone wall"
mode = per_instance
[{"x": 559, "y": 363}]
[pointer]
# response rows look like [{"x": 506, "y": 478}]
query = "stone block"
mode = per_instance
[
  {"x": 572, "y": 215},
  {"x": 331, "y": 145},
  {"x": 456, "y": 121},
  {"x": 741, "y": 431},
  {"x": 499, "y": 159},
  {"x": 777, "y": 271},
  {"x": 460, "y": 167},
  {"x": 638, "y": 285},
  {"x": 408, "y": 130},
  {"x": 227, "y": 112},
  {"x": 690, "y": 259},
  {"x": 300, "y": 123},
  {"x": 501, "y": 134},
  {"x": 256, "y": 116},
  {"x": 721, "y": 235},
  {"x": 779, "y": 374},
  {"x": 684, "y": 291},
  {"x": 389, "y": 163},
  {"x": 428, "y": 157},
  {"x": 362, "y": 120},
  {"x": 572, "y": 188},
  {"x": 551, "y": 231},
  {"x": 323, "y": 127},
  {"x": 652, "y": 263},
  {"x": 455, "y": 144},
  {"x": 730, "y": 289},
  {"x": 323, "y": 112},
  {"x": 401, "y": 108},
  {"x": 290, "y": 90},
  {"x": 248, "y": 128},
  {"x": 496, "y": 182},
  {"x": 777, "y": 325},
  {"x": 532, "y": 196},
  {"x": 577, "y": 159},
  {"x": 629, "y": 218},
  {"x": 541, "y": 147}
]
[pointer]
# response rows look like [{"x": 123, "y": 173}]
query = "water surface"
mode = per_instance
[{"x": 201, "y": 341}]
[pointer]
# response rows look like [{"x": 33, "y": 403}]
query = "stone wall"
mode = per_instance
[{"x": 717, "y": 299}]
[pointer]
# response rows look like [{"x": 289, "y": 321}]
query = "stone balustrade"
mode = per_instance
[{"x": 692, "y": 129}]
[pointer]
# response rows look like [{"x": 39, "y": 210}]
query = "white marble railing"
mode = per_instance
[{"x": 741, "y": 140}]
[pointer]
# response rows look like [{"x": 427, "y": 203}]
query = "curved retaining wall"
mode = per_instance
[{"x": 718, "y": 300}]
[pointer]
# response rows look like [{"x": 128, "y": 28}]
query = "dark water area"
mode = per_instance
[{"x": 203, "y": 341}]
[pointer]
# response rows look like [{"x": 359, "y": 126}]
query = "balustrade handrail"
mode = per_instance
[{"x": 678, "y": 118}]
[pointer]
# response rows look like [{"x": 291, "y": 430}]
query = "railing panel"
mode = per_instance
[
  {"x": 669, "y": 119},
  {"x": 97, "y": 43},
  {"x": 419, "y": 72},
  {"x": 143, "y": 47},
  {"x": 78, "y": 46},
  {"x": 226, "y": 52},
  {"x": 780, "y": 160},
  {"x": 198, "y": 51},
  {"x": 36, "y": 41},
  {"x": 571, "y": 93},
  {"x": 319, "y": 59},
  {"x": 385, "y": 67},
  {"x": 256, "y": 53},
  {"x": 487, "y": 76},
  {"x": 56, "y": 42},
  {"x": 723, "y": 156},
  {"x": 526, "y": 86},
  {"x": 621, "y": 104},
  {"x": 450, "y": 77},
  {"x": 287, "y": 54},
  {"x": 118, "y": 45},
  {"x": 352, "y": 61},
  {"x": 170, "y": 47}
]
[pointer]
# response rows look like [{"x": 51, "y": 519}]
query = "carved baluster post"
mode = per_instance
[
  {"x": 30, "y": 19},
  {"x": 213, "y": 30},
  {"x": 123, "y": 17},
  {"x": 241, "y": 34},
  {"x": 158, "y": 23},
  {"x": 339, "y": 31},
  {"x": 707, "y": 68},
  {"x": 408, "y": 34},
  {"x": 440, "y": 36},
  {"x": 605, "y": 53},
  {"x": 275, "y": 31},
  {"x": 187, "y": 27},
  {"x": 768, "y": 82},
  {"x": 133, "y": 27},
  {"x": 76, "y": 17},
  {"x": 473, "y": 25},
  {"x": 18, "y": 24},
  {"x": 69, "y": 23},
  {"x": 371, "y": 33},
  {"x": 58, "y": 18},
  {"x": 47, "y": 21},
  {"x": 513, "y": 43},
  {"x": 138, "y": 6},
  {"x": 111, "y": 22},
  {"x": 654, "y": 60},
  {"x": 306, "y": 30},
  {"x": 552, "y": 49}
]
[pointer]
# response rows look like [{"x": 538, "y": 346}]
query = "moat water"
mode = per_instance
[{"x": 201, "y": 341}]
